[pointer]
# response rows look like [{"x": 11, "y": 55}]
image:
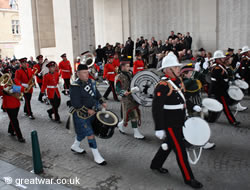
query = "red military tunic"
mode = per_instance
[
  {"x": 23, "y": 76},
  {"x": 50, "y": 81},
  {"x": 65, "y": 69},
  {"x": 116, "y": 62},
  {"x": 138, "y": 66},
  {"x": 10, "y": 102},
  {"x": 39, "y": 68},
  {"x": 109, "y": 72}
]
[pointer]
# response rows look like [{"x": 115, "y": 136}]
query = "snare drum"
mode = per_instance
[
  {"x": 241, "y": 84},
  {"x": 212, "y": 109},
  {"x": 104, "y": 124},
  {"x": 235, "y": 94},
  {"x": 196, "y": 132}
]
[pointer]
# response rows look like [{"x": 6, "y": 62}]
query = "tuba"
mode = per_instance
[
  {"x": 89, "y": 60},
  {"x": 5, "y": 80}
]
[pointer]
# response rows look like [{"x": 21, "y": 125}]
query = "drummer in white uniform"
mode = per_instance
[
  {"x": 220, "y": 85},
  {"x": 169, "y": 114},
  {"x": 193, "y": 94}
]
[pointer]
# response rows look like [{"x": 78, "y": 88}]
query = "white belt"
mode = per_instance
[
  {"x": 226, "y": 80},
  {"x": 173, "y": 107},
  {"x": 51, "y": 86},
  {"x": 24, "y": 84},
  {"x": 110, "y": 72},
  {"x": 213, "y": 79},
  {"x": 68, "y": 71},
  {"x": 140, "y": 67}
]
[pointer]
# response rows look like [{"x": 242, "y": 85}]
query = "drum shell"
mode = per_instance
[
  {"x": 213, "y": 109},
  {"x": 212, "y": 116},
  {"x": 102, "y": 130},
  {"x": 232, "y": 101}
]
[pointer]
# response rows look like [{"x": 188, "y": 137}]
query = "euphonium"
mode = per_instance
[
  {"x": 31, "y": 82},
  {"x": 5, "y": 80}
]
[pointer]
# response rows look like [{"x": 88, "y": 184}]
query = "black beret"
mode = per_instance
[
  {"x": 230, "y": 49},
  {"x": 24, "y": 59},
  {"x": 82, "y": 67},
  {"x": 39, "y": 56},
  {"x": 202, "y": 49},
  {"x": 51, "y": 64},
  {"x": 63, "y": 55}
]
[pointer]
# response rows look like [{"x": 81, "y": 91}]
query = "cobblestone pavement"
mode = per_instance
[{"x": 225, "y": 167}]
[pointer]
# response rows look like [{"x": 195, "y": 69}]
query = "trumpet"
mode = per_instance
[
  {"x": 5, "y": 80},
  {"x": 31, "y": 82}
]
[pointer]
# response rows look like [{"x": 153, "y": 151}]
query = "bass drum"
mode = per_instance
[
  {"x": 196, "y": 132},
  {"x": 212, "y": 109},
  {"x": 104, "y": 124},
  {"x": 235, "y": 95},
  {"x": 146, "y": 81}
]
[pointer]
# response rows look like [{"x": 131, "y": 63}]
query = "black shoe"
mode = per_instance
[
  {"x": 12, "y": 134},
  {"x": 194, "y": 184},
  {"x": 103, "y": 163},
  {"x": 50, "y": 114},
  {"x": 26, "y": 114},
  {"x": 106, "y": 98},
  {"x": 21, "y": 140},
  {"x": 161, "y": 170},
  {"x": 32, "y": 117},
  {"x": 58, "y": 121},
  {"x": 236, "y": 123}
]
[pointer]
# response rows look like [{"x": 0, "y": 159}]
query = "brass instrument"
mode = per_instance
[
  {"x": 89, "y": 60},
  {"x": 31, "y": 82},
  {"x": 5, "y": 80}
]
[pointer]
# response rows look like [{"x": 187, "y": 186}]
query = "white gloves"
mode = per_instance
[
  {"x": 237, "y": 65},
  {"x": 160, "y": 134},
  {"x": 25, "y": 85},
  {"x": 197, "y": 108},
  {"x": 7, "y": 89},
  {"x": 205, "y": 65},
  {"x": 44, "y": 97},
  {"x": 197, "y": 66},
  {"x": 134, "y": 90}
]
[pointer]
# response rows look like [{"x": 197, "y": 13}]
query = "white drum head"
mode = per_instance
[
  {"x": 235, "y": 93},
  {"x": 241, "y": 84},
  {"x": 196, "y": 131},
  {"x": 212, "y": 104}
]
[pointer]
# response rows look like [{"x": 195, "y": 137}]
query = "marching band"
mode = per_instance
[{"x": 179, "y": 92}]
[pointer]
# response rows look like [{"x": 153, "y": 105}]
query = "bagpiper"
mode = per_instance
[{"x": 130, "y": 108}]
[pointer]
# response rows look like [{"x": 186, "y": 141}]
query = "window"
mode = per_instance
[{"x": 15, "y": 27}]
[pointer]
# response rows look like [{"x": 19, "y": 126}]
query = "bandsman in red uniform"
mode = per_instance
[
  {"x": 50, "y": 82},
  {"x": 23, "y": 76},
  {"x": 138, "y": 64},
  {"x": 11, "y": 105},
  {"x": 116, "y": 62},
  {"x": 65, "y": 72},
  {"x": 109, "y": 74},
  {"x": 39, "y": 77}
]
